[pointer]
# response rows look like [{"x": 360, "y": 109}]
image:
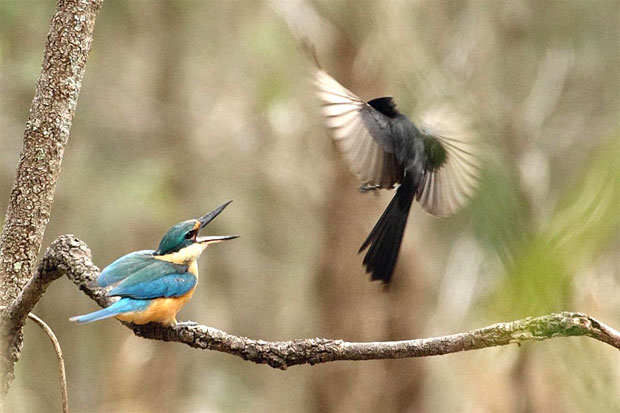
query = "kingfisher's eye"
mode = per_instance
[{"x": 191, "y": 234}]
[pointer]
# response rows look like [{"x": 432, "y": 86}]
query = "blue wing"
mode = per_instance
[
  {"x": 135, "y": 264},
  {"x": 148, "y": 285}
]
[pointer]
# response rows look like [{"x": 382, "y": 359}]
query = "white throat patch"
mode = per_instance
[{"x": 185, "y": 255}]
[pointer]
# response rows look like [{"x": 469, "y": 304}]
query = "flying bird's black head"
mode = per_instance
[
  {"x": 385, "y": 105},
  {"x": 185, "y": 234}
]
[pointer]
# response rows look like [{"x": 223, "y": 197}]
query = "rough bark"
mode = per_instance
[
  {"x": 47, "y": 130},
  {"x": 72, "y": 258}
]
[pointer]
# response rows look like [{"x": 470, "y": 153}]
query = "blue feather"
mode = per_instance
[
  {"x": 124, "y": 305},
  {"x": 145, "y": 285},
  {"x": 136, "y": 264}
]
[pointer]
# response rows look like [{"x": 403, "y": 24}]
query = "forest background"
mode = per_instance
[{"x": 186, "y": 104}]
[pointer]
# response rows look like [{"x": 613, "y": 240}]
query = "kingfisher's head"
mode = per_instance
[{"x": 184, "y": 235}]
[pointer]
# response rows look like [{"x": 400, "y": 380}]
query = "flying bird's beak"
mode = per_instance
[{"x": 211, "y": 215}]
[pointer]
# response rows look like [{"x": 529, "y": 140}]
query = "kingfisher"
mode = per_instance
[
  {"x": 384, "y": 148},
  {"x": 153, "y": 286}
]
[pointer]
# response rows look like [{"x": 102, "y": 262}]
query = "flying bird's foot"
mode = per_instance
[
  {"x": 369, "y": 188},
  {"x": 186, "y": 324}
]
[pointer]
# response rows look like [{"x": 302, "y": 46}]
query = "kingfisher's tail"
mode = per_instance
[
  {"x": 384, "y": 240},
  {"x": 124, "y": 305}
]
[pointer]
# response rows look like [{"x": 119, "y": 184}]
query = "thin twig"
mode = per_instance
[{"x": 61, "y": 361}]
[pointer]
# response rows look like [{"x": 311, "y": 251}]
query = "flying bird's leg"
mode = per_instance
[{"x": 369, "y": 188}]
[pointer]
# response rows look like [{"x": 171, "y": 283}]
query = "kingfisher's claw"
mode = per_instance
[{"x": 186, "y": 324}]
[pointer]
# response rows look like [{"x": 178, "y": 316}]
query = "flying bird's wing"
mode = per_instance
[
  {"x": 361, "y": 131},
  {"x": 450, "y": 177},
  {"x": 146, "y": 286},
  {"x": 135, "y": 263}
]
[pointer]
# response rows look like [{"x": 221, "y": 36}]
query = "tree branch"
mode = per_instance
[
  {"x": 16, "y": 313},
  {"x": 46, "y": 134},
  {"x": 73, "y": 259}
]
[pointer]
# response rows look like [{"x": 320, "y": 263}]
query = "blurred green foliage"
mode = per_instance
[{"x": 579, "y": 232}]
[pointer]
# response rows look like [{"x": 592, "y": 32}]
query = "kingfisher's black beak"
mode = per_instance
[{"x": 208, "y": 217}]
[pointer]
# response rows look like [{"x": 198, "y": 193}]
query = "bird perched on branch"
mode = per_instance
[
  {"x": 153, "y": 286},
  {"x": 383, "y": 148}
]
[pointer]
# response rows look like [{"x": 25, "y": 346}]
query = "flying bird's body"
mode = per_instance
[
  {"x": 153, "y": 285},
  {"x": 384, "y": 148}
]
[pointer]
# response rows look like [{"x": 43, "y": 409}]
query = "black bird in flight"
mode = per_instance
[{"x": 384, "y": 148}]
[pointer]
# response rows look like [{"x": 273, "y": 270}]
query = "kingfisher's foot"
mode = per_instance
[
  {"x": 369, "y": 188},
  {"x": 186, "y": 324}
]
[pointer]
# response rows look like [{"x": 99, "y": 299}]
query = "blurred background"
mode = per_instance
[{"x": 186, "y": 104}]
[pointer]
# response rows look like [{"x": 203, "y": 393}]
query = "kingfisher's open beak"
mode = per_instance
[
  {"x": 208, "y": 217},
  {"x": 215, "y": 238}
]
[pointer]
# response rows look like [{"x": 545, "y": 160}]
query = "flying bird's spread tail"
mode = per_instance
[{"x": 384, "y": 240}]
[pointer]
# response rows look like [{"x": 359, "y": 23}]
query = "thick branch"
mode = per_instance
[
  {"x": 14, "y": 316},
  {"x": 47, "y": 130},
  {"x": 73, "y": 258}
]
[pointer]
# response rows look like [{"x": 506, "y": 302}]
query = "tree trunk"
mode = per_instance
[{"x": 47, "y": 131}]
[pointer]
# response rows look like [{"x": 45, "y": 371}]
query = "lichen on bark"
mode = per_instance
[{"x": 47, "y": 131}]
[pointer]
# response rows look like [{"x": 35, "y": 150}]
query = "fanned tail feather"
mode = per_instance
[{"x": 384, "y": 240}]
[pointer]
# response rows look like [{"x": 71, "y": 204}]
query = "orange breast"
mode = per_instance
[{"x": 161, "y": 310}]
